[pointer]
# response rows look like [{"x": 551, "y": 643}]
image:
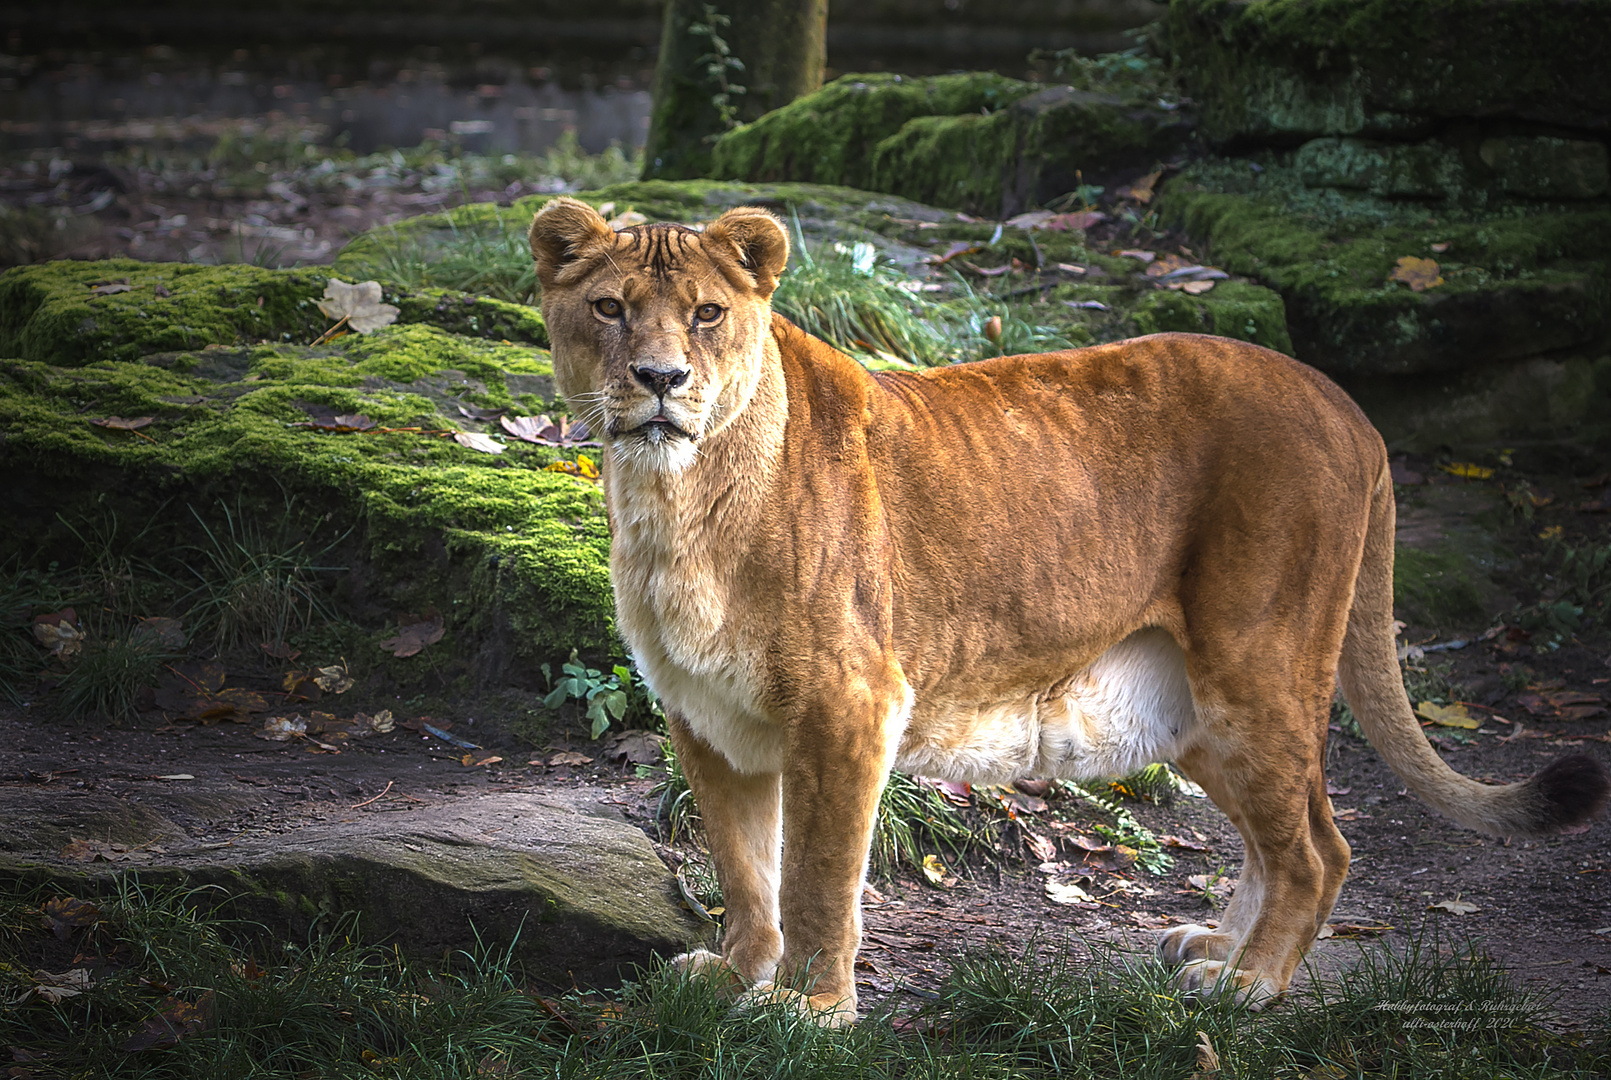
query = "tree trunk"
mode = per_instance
[{"x": 700, "y": 92}]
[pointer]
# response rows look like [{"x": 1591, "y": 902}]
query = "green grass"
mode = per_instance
[{"x": 334, "y": 1007}]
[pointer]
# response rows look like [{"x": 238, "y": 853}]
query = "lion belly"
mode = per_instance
[{"x": 1131, "y": 707}]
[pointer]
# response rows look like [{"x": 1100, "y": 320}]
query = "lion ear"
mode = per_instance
[
  {"x": 756, "y": 240},
  {"x": 564, "y": 231}
]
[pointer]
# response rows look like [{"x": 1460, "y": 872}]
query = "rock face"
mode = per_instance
[
  {"x": 975, "y": 142},
  {"x": 1357, "y": 134},
  {"x": 579, "y": 891},
  {"x": 1284, "y": 71}
]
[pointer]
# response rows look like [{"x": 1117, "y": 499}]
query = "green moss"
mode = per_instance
[
  {"x": 1517, "y": 282},
  {"x": 514, "y": 555},
  {"x": 1233, "y": 309},
  {"x": 1292, "y": 69},
  {"x": 828, "y": 137},
  {"x": 49, "y": 312}
]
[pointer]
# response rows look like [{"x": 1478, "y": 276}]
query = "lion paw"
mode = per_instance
[
  {"x": 704, "y": 964},
  {"x": 1215, "y": 978},
  {"x": 824, "y": 1010},
  {"x": 1183, "y": 944}
]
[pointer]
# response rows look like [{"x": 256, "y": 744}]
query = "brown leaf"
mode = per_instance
[
  {"x": 415, "y": 633},
  {"x": 65, "y": 914},
  {"x": 957, "y": 249},
  {"x": 112, "y": 287},
  {"x": 569, "y": 757},
  {"x": 473, "y": 760},
  {"x": 177, "y": 1019},
  {"x": 300, "y": 686},
  {"x": 1180, "y": 842},
  {"x": 1041, "y": 848},
  {"x": 544, "y": 431},
  {"x": 333, "y": 679},
  {"x": 1168, "y": 264},
  {"x": 118, "y": 423},
  {"x": 59, "y": 632},
  {"x": 636, "y": 747},
  {"x": 1141, "y": 190},
  {"x": 478, "y": 413},
  {"x": 1136, "y": 253},
  {"x": 1419, "y": 274}
]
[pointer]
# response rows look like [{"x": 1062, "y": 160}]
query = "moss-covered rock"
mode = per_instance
[
  {"x": 1516, "y": 282},
  {"x": 1290, "y": 70},
  {"x": 1042, "y": 146},
  {"x": 70, "y": 313},
  {"x": 828, "y": 137},
  {"x": 515, "y": 556},
  {"x": 1235, "y": 309}
]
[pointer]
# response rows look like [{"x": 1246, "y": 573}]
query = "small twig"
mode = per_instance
[
  {"x": 321, "y": 338},
  {"x": 382, "y": 795}
]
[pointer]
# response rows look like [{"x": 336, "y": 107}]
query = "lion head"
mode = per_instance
[{"x": 657, "y": 330}]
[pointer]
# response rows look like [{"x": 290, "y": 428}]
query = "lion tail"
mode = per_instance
[{"x": 1568, "y": 791}]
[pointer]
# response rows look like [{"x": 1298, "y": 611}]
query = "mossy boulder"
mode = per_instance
[
  {"x": 1516, "y": 282},
  {"x": 514, "y": 556},
  {"x": 1291, "y": 70},
  {"x": 70, "y": 313},
  {"x": 828, "y": 137},
  {"x": 1042, "y": 146},
  {"x": 1236, "y": 309}
]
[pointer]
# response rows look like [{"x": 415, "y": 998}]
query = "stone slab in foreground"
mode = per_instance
[{"x": 583, "y": 890}]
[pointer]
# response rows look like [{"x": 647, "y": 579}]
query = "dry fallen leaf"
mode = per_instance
[
  {"x": 282, "y": 728},
  {"x": 1040, "y": 847},
  {"x": 1136, "y": 253},
  {"x": 1456, "y": 907},
  {"x": 477, "y": 441},
  {"x": 65, "y": 914},
  {"x": 358, "y": 305},
  {"x": 1419, "y": 274},
  {"x": 414, "y": 633},
  {"x": 58, "y": 988},
  {"x": 112, "y": 287},
  {"x": 1466, "y": 470},
  {"x": 1066, "y": 892},
  {"x": 1447, "y": 715},
  {"x": 569, "y": 757},
  {"x": 59, "y": 632},
  {"x": 333, "y": 679},
  {"x": 472, "y": 760},
  {"x": 118, "y": 423},
  {"x": 1207, "y": 1059},
  {"x": 1141, "y": 190},
  {"x": 936, "y": 873},
  {"x": 582, "y": 467}
]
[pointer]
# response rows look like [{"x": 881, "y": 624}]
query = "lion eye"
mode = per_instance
[
  {"x": 708, "y": 312},
  {"x": 609, "y": 307}
]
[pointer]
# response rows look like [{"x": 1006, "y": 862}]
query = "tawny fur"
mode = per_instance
[{"x": 1067, "y": 564}]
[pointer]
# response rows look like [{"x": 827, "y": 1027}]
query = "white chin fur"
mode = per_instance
[{"x": 657, "y": 450}]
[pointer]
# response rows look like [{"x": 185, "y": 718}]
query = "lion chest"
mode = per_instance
[{"x": 690, "y": 639}]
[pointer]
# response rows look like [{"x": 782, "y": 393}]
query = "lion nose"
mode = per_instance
[{"x": 660, "y": 380}]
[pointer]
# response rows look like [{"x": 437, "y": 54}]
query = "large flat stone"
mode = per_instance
[{"x": 581, "y": 889}]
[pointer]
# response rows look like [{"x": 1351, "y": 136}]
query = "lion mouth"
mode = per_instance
[{"x": 658, "y": 428}]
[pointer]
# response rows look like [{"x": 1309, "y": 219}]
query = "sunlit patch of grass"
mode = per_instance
[
  {"x": 490, "y": 260},
  {"x": 914, "y": 820}
]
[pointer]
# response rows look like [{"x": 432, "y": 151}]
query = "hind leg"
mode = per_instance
[{"x": 1293, "y": 871}]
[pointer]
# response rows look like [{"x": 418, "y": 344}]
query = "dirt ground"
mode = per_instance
[{"x": 1542, "y": 908}]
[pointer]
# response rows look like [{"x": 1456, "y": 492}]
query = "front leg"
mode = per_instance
[
  {"x": 740, "y": 813},
  {"x": 838, "y": 759}
]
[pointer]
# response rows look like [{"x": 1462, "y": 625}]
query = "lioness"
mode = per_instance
[{"x": 1062, "y": 565}]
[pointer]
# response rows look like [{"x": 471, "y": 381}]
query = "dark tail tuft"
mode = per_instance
[{"x": 1571, "y": 790}]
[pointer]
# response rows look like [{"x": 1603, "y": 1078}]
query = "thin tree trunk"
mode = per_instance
[{"x": 699, "y": 93}]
